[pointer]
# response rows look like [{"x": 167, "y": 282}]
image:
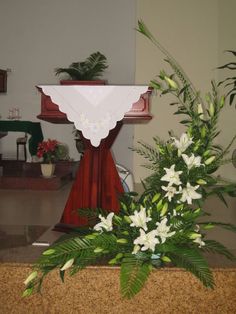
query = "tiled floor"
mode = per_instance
[{"x": 24, "y": 207}]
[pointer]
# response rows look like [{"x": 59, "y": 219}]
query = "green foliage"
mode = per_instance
[
  {"x": 192, "y": 260},
  {"x": 90, "y": 69},
  {"x": 216, "y": 247},
  {"x": 133, "y": 275}
]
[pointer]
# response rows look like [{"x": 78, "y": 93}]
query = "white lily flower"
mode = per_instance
[
  {"x": 170, "y": 191},
  {"x": 183, "y": 143},
  {"x": 140, "y": 219},
  {"x": 192, "y": 161},
  {"x": 163, "y": 231},
  {"x": 189, "y": 193},
  {"x": 147, "y": 240},
  {"x": 172, "y": 176},
  {"x": 68, "y": 264},
  {"x": 106, "y": 223},
  {"x": 199, "y": 241}
]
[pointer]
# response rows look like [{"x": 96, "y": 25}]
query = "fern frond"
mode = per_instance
[
  {"x": 133, "y": 275},
  {"x": 148, "y": 152},
  {"x": 192, "y": 260},
  {"x": 216, "y": 247}
]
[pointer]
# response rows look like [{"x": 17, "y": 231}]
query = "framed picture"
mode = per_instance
[{"x": 3, "y": 81}]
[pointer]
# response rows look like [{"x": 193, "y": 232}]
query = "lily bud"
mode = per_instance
[
  {"x": 156, "y": 197},
  {"x": 207, "y": 152},
  {"x": 159, "y": 205},
  {"x": 203, "y": 132},
  {"x": 171, "y": 82},
  {"x": 222, "y": 101},
  {"x": 211, "y": 109},
  {"x": 27, "y": 292},
  {"x": 179, "y": 207},
  {"x": 125, "y": 232},
  {"x": 196, "y": 211},
  {"x": 194, "y": 235},
  {"x": 31, "y": 277},
  {"x": 68, "y": 264},
  {"x": 201, "y": 181},
  {"x": 164, "y": 209},
  {"x": 166, "y": 259},
  {"x": 127, "y": 219},
  {"x": 200, "y": 111},
  {"x": 98, "y": 250},
  {"x": 49, "y": 252},
  {"x": 119, "y": 255},
  {"x": 90, "y": 236},
  {"x": 112, "y": 261},
  {"x": 210, "y": 160},
  {"x": 122, "y": 241},
  {"x": 196, "y": 146},
  {"x": 208, "y": 226}
]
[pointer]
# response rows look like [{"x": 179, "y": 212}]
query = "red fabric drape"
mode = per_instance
[{"x": 97, "y": 182}]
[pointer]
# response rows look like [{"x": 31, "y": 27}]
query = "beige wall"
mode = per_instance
[
  {"x": 195, "y": 33},
  {"x": 38, "y": 36}
]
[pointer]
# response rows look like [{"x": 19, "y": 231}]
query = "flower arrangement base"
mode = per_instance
[{"x": 47, "y": 170}]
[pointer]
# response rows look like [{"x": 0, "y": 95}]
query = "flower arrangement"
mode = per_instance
[
  {"x": 48, "y": 150},
  {"x": 162, "y": 226}
]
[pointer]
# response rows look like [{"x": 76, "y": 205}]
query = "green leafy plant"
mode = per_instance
[
  {"x": 163, "y": 226},
  {"x": 230, "y": 82},
  {"x": 90, "y": 69}
]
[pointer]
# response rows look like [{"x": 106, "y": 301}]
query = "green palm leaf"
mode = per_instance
[
  {"x": 96, "y": 63},
  {"x": 216, "y": 247},
  {"x": 63, "y": 251},
  {"x": 192, "y": 260},
  {"x": 133, "y": 275},
  {"x": 226, "y": 226},
  {"x": 90, "y": 69}
]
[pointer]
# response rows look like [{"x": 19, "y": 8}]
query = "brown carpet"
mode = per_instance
[{"x": 96, "y": 290}]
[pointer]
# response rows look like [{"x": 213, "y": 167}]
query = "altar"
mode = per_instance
[{"x": 32, "y": 128}]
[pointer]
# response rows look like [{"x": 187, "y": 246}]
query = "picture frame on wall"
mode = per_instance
[{"x": 3, "y": 81}]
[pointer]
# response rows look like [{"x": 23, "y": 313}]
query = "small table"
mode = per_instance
[{"x": 32, "y": 128}]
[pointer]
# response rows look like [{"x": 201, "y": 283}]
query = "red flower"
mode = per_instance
[{"x": 47, "y": 150}]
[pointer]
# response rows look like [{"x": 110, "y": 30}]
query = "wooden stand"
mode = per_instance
[{"x": 97, "y": 183}]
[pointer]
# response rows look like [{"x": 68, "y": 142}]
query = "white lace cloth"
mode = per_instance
[{"x": 94, "y": 110}]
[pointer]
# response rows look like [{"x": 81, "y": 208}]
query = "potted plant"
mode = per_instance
[
  {"x": 48, "y": 151},
  {"x": 85, "y": 71}
]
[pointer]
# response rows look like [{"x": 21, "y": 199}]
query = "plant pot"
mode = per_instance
[{"x": 47, "y": 170}]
